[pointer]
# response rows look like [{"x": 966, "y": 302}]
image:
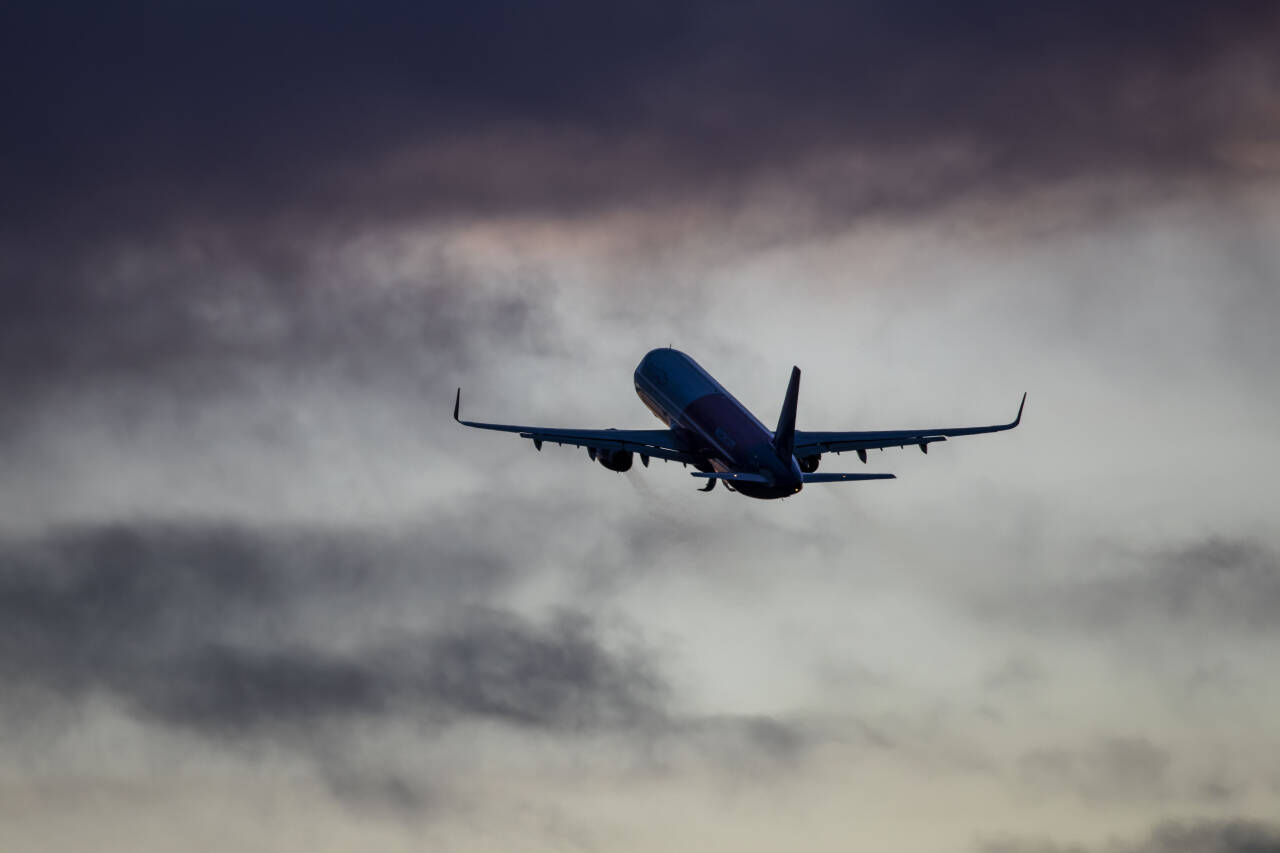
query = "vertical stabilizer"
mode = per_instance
[{"x": 784, "y": 437}]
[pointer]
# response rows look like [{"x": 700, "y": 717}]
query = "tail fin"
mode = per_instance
[{"x": 784, "y": 437}]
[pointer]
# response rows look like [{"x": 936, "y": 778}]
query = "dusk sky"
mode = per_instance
[{"x": 258, "y": 591}]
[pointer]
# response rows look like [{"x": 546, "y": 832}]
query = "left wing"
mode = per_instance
[
  {"x": 809, "y": 443},
  {"x": 657, "y": 443}
]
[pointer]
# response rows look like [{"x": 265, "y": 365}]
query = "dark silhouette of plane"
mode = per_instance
[{"x": 710, "y": 430}]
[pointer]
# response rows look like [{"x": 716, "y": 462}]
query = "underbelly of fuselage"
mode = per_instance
[{"x": 718, "y": 429}]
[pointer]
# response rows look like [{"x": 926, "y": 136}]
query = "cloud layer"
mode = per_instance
[
  {"x": 249, "y": 565},
  {"x": 235, "y": 117}
]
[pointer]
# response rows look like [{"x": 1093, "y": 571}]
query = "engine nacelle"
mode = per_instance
[
  {"x": 809, "y": 464},
  {"x": 615, "y": 460}
]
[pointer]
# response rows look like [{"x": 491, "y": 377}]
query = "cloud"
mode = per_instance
[
  {"x": 1109, "y": 770},
  {"x": 1223, "y": 584},
  {"x": 246, "y": 252},
  {"x": 1016, "y": 673},
  {"x": 206, "y": 628},
  {"x": 141, "y": 121},
  {"x": 495, "y": 666},
  {"x": 1206, "y": 836},
  {"x": 332, "y": 645},
  {"x": 173, "y": 325},
  {"x": 1217, "y": 581},
  {"x": 178, "y": 226}
]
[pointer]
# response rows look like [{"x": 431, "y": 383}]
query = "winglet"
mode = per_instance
[
  {"x": 1018, "y": 419},
  {"x": 457, "y": 401}
]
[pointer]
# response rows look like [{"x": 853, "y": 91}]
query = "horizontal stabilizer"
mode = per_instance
[
  {"x": 844, "y": 478},
  {"x": 732, "y": 476}
]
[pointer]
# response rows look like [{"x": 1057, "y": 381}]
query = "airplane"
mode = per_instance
[{"x": 709, "y": 429}]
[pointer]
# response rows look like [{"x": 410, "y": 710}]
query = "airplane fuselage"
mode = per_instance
[{"x": 712, "y": 424}]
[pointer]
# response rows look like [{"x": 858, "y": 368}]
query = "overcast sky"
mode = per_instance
[{"x": 258, "y": 591}]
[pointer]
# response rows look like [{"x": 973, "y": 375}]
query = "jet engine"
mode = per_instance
[
  {"x": 615, "y": 460},
  {"x": 809, "y": 464}
]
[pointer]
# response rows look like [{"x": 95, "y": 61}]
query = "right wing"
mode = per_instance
[
  {"x": 657, "y": 443},
  {"x": 809, "y": 443}
]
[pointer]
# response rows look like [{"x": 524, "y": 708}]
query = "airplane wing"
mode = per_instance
[
  {"x": 809, "y": 443},
  {"x": 656, "y": 443}
]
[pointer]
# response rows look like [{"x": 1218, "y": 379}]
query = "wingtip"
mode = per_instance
[
  {"x": 1021, "y": 405},
  {"x": 457, "y": 401}
]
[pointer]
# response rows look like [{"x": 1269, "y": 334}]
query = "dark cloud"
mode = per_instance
[
  {"x": 148, "y": 115},
  {"x": 297, "y": 639},
  {"x": 175, "y": 328},
  {"x": 1207, "y": 836},
  {"x": 208, "y": 629},
  {"x": 495, "y": 666},
  {"x": 1217, "y": 584},
  {"x": 1238, "y": 836},
  {"x": 1111, "y": 770},
  {"x": 1217, "y": 581},
  {"x": 176, "y": 180}
]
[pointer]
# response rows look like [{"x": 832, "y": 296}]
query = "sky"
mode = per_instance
[{"x": 258, "y": 590}]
